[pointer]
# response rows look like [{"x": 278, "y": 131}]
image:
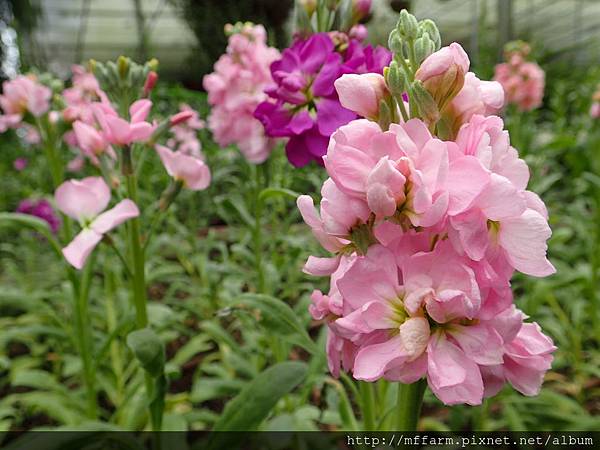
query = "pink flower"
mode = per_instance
[
  {"x": 373, "y": 165},
  {"x": 120, "y": 132},
  {"x": 362, "y": 93},
  {"x": 20, "y": 164},
  {"x": 235, "y": 88},
  {"x": 90, "y": 141},
  {"x": 150, "y": 82},
  {"x": 476, "y": 97},
  {"x": 522, "y": 81},
  {"x": 443, "y": 73},
  {"x": 498, "y": 214},
  {"x": 191, "y": 171},
  {"x": 595, "y": 110},
  {"x": 84, "y": 200},
  {"x": 423, "y": 236},
  {"x": 184, "y": 129},
  {"x": 24, "y": 94},
  {"x": 81, "y": 95}
]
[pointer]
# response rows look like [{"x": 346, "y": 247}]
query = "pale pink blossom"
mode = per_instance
[
  {"x": 119, "y": 131},
  {"x": 362, "y": 93},
  {"x": 191, "y": 171},
  {"x": 84, "y": 200}
]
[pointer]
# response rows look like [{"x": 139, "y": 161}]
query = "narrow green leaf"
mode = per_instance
[
  {"x": 278, "y": 317},
  {"x": 276, "y": 192},
  {"x": 247, "y": 411}
]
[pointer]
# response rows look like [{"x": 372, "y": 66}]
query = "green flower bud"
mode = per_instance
[
  {"x": 395, "y": 42},
  {"x": 123, "y": 64},
  {"x": 385, "y": 115},
  {"x": 395, "y": 79},
  {"x": 427, "y": 106},
  {"x": 424, "y": 47},
  {"x": 408, "y": 27},
  {"x": 428, "y": 26}
]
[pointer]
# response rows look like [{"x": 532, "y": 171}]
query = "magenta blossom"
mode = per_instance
[
  {"x": 304, "y": 105},
  {"x": 42, "y": 209},
  {"x": 84, "y": 200}
]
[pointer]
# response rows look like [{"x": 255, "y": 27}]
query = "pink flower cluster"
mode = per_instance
[
  {"x": 523, "y": 82},
  {"x": 185, "y": 134},
  {"x": 236, "y": 87},
  {"x": 20, "y": 96},
  {"x": 426, "y": 235}
]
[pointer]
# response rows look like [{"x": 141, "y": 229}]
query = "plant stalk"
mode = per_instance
[
  {"x": 408, "y": 408},
  {"x": 83, "y": 332},
  {"x": 367, "y": 396}
]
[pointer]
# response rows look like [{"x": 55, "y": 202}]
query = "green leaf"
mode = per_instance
[
  {"x": 278, "y": 317},
  {"x": 209, "y": 388},
  {"x": 247, "y": 411},
  {"x": 276, "y": 192},
  {"x": 198, "y": 344},
  {"x": 39, "y": 225},
  {"x": 148, "y": 349}
]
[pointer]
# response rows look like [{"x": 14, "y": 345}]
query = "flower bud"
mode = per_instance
[
  {"x": 360, "y": 9},
  {"x": 385, "y": 115},
  {"x": 362, "y": 93},
  {"x": 395, "y": 42},
  {"x": 408, "y": 27},
  {"x": 443, "y": 73},
  {"x": 123, "y": 64},
  {"x": 424, "y": 47},
  {"x": 303, "y": 24},
  {"x": 428, "y": 26},
  {"x": 395, "y": 79},
  {"x": 428, "y": 107},
  {"x": 331, "y": 4},
  {"x": 180, "y": 117},
  {"x": 150, "y": 82},
  {"x": 308, "y": 5}
]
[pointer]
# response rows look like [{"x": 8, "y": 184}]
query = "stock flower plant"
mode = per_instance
[{"x": 427, "y": 223}]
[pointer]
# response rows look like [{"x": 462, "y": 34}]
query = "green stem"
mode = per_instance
[
  {"x": 138, "y": 282},
  {"x": 257, "y": 232},
  {"x": 367, "y": 396},
  {"x": 111, "y": 321},
  {"x": 83, "y": 331},
  {"x": 408, "y": 408}
]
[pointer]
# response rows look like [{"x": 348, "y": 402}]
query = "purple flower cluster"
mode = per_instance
[
  {"x": 304, "y": 105},
  {"x": 42, "y": 209}
]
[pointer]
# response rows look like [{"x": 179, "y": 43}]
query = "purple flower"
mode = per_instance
[
  {"x": 303, "y": 104},
  {"x": 41, "y": 209},
  {"x": 20, "y": 164}
]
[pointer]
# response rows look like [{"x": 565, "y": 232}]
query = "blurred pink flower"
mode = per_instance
[
  {"x": 523, "y": 82},
  {"x": 191, "y": 171},
  {"x": 236, "y": 87},
  {"x": 119, "y": 131},
  {"x": 20, "y": 164},
  {"x": 84, "y": 200}
]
